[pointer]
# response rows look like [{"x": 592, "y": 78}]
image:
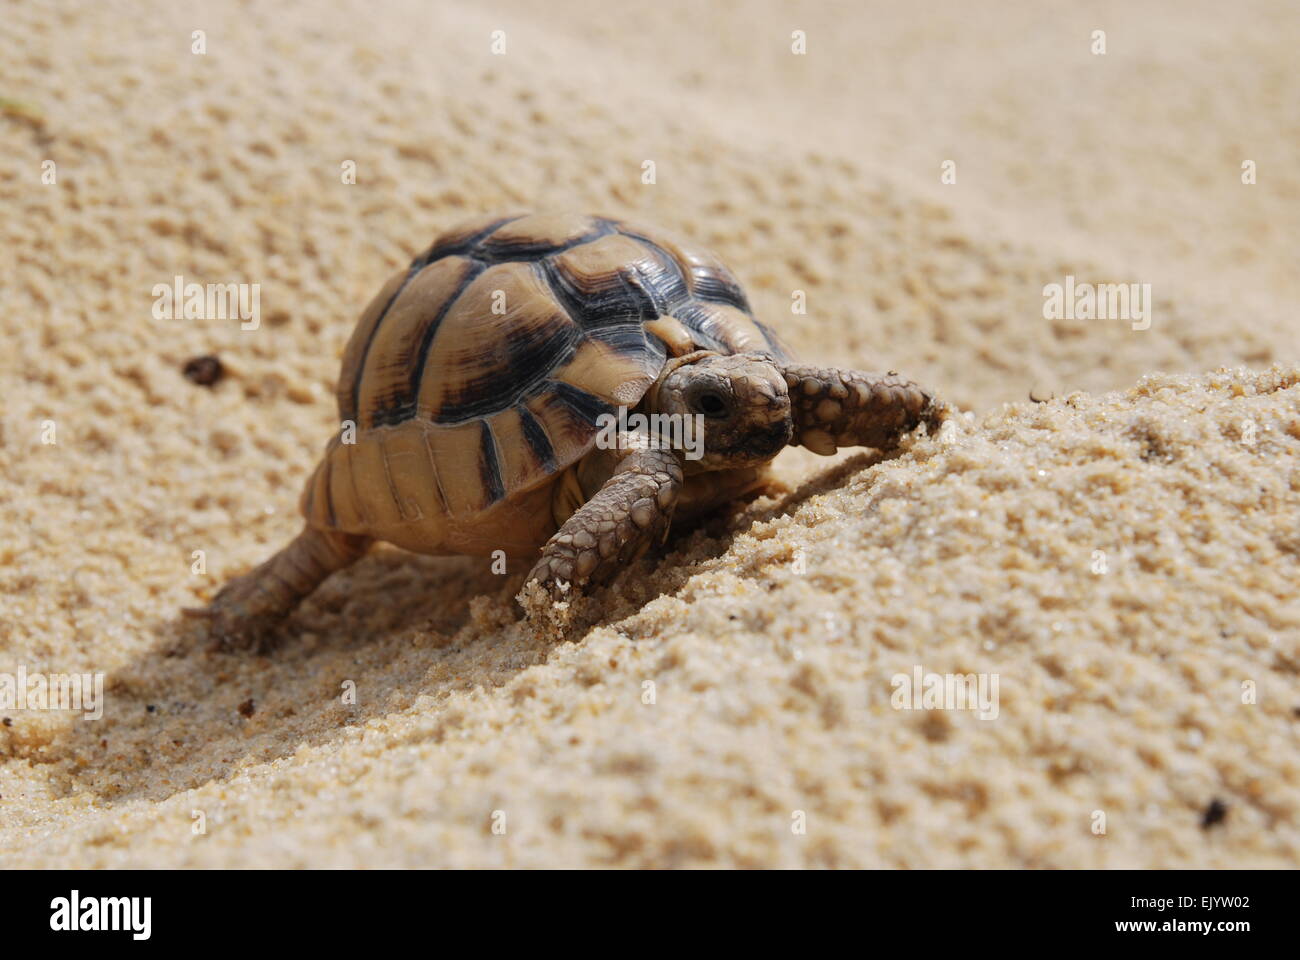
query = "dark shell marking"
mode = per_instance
[{"x": 571, "y": 343}]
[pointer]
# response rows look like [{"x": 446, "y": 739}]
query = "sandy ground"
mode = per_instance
[{"x": 1124, "y": 557}]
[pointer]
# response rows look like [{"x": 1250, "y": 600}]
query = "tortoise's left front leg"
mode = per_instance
[
  {"x": 848, "y": 408},
  {"x": 629, "y": 513}
]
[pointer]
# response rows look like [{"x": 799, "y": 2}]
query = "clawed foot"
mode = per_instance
[
  {"x": 245, "y": 612},
  {"x": 573, "y": 560},
  {"x": 629, "y": 513},
  {"x": 243, "y": 616},
  {"x": 835, "y": 408},
  {"x": 608, "y": 533}
]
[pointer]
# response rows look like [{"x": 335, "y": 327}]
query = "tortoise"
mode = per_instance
[{"x": 481, "y": 378}]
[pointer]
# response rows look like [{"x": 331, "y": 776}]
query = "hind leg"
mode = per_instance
[{"x": 245, "y": 611}]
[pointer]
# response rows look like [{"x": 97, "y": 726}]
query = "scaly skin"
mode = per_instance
[
  {"x": 631, "y": 511},
  {"x": 848, "y": 408},
  {"x": 246, "y": 610}
]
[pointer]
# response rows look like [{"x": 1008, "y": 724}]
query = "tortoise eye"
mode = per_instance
[{"x": 711, "y": 405}]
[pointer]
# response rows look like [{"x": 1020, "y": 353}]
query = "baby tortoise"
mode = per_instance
[{"x": 472, "y": 395}]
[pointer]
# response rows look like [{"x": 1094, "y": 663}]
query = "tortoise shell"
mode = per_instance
[{"x": 476, "y": 376}]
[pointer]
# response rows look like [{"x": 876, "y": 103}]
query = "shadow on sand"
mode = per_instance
[{"x": 392, "y": 628}]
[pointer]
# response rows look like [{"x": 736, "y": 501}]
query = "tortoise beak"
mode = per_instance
[{"x": 767, "y": 443}]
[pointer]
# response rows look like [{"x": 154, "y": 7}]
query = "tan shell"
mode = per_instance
[{"x": 475, "y": 376}]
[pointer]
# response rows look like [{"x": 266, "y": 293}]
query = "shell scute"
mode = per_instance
[
  {"x": 479, "y": 373},
  {"x": 396, "y": 358},
  {"x": 542, "y": 234},
  {"x": 498, "y": 343},
  {"x": 458, "y": 453}
]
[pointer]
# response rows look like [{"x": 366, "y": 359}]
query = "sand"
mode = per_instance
[{"x": 1123, "y": 556}]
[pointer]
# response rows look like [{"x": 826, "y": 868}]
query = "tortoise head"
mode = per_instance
[{"x": 741, "y": 401}]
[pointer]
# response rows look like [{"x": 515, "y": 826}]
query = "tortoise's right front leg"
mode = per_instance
[
  {"x": 629, "y": 513},
  {"x": 246, "y": 609}
]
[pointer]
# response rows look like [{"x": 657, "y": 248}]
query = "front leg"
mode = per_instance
[
  {"x": 847, "y": 408},
  {"x": 631, "y": 511}
]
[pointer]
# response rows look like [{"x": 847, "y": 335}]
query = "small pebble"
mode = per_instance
[
  {"x": 205, "y": 371},
  {"x": 1214, "y": 814}
]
